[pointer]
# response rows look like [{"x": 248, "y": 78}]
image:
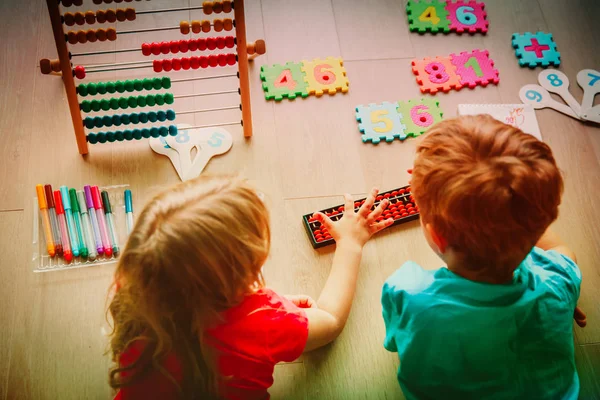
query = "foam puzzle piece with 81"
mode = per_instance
[
  {"x": 475, "y": 68},
  {"x": 468, "y": 16},
  {"x": 420, "y": 115},
  {"x": 380, "y": 122},
  {"x": 281, "y": 81},
  {"x": 325, "y": 76},
  {"x": 533, "y": 49},
  {"x": 427, "y": 16}
]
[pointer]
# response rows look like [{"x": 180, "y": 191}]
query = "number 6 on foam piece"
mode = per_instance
[{"x": 209, "y": 142}]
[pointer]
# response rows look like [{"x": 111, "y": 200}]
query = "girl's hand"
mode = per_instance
[{"x": 356, "y": 228}]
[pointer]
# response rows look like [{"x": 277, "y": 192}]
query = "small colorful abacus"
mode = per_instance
[
  {"x": 402, "y": 209},
  {"x": 63, "y": 65}
]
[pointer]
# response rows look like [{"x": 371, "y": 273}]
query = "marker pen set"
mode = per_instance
[{"x": 80, "y": 223}]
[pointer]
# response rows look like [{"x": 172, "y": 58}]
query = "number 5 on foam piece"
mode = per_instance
[{"x": 208, "y": 142}]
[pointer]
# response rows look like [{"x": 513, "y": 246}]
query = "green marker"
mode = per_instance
[
  {"x": 83, "y": 251},
  {"x": 110, "y": 222}
]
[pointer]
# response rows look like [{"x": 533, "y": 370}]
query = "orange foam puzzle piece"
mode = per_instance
[{"x": 436, "y": 74}]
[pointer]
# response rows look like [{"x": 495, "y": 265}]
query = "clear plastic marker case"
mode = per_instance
[{"x": 42, "y": 262}]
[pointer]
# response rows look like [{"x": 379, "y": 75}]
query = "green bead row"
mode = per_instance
[
  {"x": 115, "y": 103},
  {"x": 130, "y": 85},
  {"x": 137, "y": 134},
  {"x": 125, "y": 119}
]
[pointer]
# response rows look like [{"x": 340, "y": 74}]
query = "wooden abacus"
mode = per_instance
[{"x": 63, "y": 66}]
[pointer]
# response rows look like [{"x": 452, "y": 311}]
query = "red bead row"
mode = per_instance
[
  {"x": 201, "y": 44},
  {"x": 186, "y": 63}
]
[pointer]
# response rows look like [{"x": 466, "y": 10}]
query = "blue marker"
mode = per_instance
[
  {"x": 128, "y": 211},
  {"x": 64, "y": 191}
]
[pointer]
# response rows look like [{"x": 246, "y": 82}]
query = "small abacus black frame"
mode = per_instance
[{"x": 317, "y": 245}]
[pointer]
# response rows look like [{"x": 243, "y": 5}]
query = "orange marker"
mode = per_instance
[{"x": 45, "y": 220}]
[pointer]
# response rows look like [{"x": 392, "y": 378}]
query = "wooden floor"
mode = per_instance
[{"x": 304, "y": 155}]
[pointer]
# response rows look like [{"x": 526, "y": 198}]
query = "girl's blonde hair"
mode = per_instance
[{"x": 196, "y": 250}]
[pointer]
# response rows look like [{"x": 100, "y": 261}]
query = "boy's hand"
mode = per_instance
[
  {"x": 580, "y": 317},
  {"x": 356, "y": 228}
]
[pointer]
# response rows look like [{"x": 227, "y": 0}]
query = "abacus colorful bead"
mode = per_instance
[
  {"x": 101, "y": 87},
  {"x": 132, "y": 101},
  {"x": 137, "y": 134},
  {"x": 170, "y": 115},
  {"x": 129, "y": 86},
  {"x": 110, "y": 136},
  {"x": 172, "y": 130},
  {"x": 105, "y": 104},
  {"x": 207, "y": 7},
  {"x": 146, "y": 133},
  {"x": 128, "y": 134},
  {"x": 90, "y": 17},
  {"x": 79, "y": 72},
  {"x": 125, "y": 119},
  {"x": 101, "y": 136},
  {"x": 184, "y": 27},
  {"x": 227, "y": 6},
  {"x": 150, "y": 101},
  {"x": 148, "y": 83},
  {"x": 152, "y": 117},
  {"x": 157, "y": 66},
  {"x": 154, "y": 132},
  {"x": 114, "y": 103},
  {"x": 141, "y": 101},
  {"x": 119, "y": 136},
  {"x": 143, "y": 118},
  {"x": 169, "y": 98},
  {"x": 160, "y": 99},
  {"x": 196, "y": 26},
  {"x": 205, "y": 26},
  {"x": 161, "y": 116},
  {"x": 164, "y": 131},
  {"x": 123, "y": 102},
  {"x": 218, "y": 25},
  {"x": 116, "y": 120},
  {"x": 82, "y": 90},
  {"x": 134, "y": 118},
  {"x": 92, "y": 90},
  {"x": 106, "y": 120}
]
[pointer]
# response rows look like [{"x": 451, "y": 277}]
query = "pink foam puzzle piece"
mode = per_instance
[
  {"x": 468, "y": 16},
  {"x": 475, "y": 68}
]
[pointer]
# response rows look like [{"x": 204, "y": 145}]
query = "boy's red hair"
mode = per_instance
[{"x": 488, "y": 189}]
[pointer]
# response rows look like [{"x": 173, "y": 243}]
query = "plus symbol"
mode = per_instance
[{"x": 537, "y": 48}]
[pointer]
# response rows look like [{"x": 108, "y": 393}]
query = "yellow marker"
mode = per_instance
[{"x": 45, "y": 220}]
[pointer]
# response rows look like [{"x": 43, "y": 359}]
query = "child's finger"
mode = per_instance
[
  {"x": 365, "y": 209},
  {"x": 324, "y": 219},
  {"x": 378, "y": 211},
  {"x": 348, "y": 203},
  {"x": 376, "y": 227}
]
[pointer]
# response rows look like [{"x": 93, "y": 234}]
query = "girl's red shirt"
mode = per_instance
[{"x": 255, "y": 335}]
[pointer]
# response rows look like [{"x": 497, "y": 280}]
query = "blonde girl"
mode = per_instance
[{"x": 192, "y": 317}]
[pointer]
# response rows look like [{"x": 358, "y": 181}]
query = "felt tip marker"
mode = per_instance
[
  {"x": 53, "y": 221},
  {"x": 62, "y": 223},
  {"x": 101, "y": 221},
  {"x": 88, "y": 234},
  {"x": 64, "y": 193},
  {"x": 93, "y": 218},
  {"x": 128, "y": 211},
  {"x": 83, "y": 250},
  {"x": 45, "y": 220},
  {"x": 110, "y": 221}
]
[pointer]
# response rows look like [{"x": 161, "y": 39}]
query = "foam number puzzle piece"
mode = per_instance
[
  {"x": 467, "y": 16},
  {"x": 281, "y": 81},
  {"x": 420, "y": 115},
  {"x": 589, "y": 80},
  {"x": 325, "y": 76},
  {"x": 436, "y": 74},
  {"x": 539, "y": 98},
  {"x": 160, "y": 146},
  {"x": 427, "y": 16},
  {"x": 209, "y": 142},
  {"x": 555, "y": 81},
  {"x": 535, "y": 49},
  {"x": 475, "y": 68},
  {"x": 380, "y": 122}
]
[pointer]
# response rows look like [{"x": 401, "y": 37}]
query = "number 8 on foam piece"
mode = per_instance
[{"x": 389, "y": 121}]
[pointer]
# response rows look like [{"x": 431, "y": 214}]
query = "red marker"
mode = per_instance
[
  {"x": 101, "y": 221},
  {"x": 62, "y": 222},
  {"x": 53, "y": 220}
]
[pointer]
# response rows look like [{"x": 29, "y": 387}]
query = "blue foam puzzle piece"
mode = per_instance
[
  {"x": 389, "y": 111},
  {"x": 529, "y": 58}
]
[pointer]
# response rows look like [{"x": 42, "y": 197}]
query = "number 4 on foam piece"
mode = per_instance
[{"x": 281, "y": 81}]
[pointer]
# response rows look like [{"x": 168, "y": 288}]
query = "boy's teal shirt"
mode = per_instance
[{"x": 461, "y": 339}]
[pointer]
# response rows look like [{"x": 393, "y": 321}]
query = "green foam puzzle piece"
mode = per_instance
[
  {"x": 420, "y": 115},
  {"x": 422, "y": 18},
  {"x": 277, "y": 84}
]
